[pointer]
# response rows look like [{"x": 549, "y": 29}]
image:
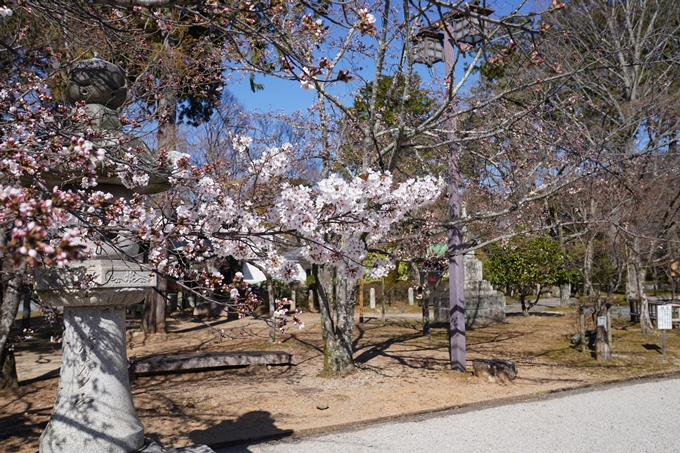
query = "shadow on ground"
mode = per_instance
[{"x": 240, "y": 432}]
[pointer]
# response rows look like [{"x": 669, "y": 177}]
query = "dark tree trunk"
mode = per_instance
[
  {"x": 153, "y": 320},
  {"x": 8, "y": 371},
  {"x": 272, "y": 309},
  {"x": 26, "y": 293},
  {"x": 9, "y": 305},
  {"x": 425, "y": 307}
]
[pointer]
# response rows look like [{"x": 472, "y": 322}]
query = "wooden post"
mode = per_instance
[
  {"x": 582, "y": 325},
  {"x": 361, "y": 300},
  {"x": 293, "y": 301},
  {"x": 26, "y": 318},
  {"x": 382, "y": 304},
  {"x": 609, "y": 327},
  {"x": 663, "y": 342}
]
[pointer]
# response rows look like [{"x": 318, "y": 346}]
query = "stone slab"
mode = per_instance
[
  {"x": 479, "y": 308},
  {"x": 114, "y": 282},
  {"x": 108, "y": 273},
  {"x": 153, "y": 447},
  {"x": 187, "y": 362},
  {"x": 193, "y": 449}
]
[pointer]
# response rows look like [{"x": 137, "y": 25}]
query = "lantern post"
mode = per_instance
[{"x": 433, "y": 44}]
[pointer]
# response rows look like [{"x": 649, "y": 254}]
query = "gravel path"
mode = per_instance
[{"x": 641, "y": 417}]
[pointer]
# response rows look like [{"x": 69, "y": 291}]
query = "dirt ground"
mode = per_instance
[{"x": 399, "y": 373}]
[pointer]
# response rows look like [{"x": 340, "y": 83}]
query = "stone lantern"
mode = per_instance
[{"x": 93, "y": 411}]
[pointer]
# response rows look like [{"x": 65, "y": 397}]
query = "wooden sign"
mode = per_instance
[{"x": 664, "y": 317}]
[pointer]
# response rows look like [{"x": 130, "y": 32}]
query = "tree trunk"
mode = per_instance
[
  {"x": 645, "y": 321},
  {"x": 523, "y": 303},
  {"x": 640, "y": 272},
  {"x": 337, "y": 360},
  {"x": 603, "y": 352},
  {"x": 631, "y": 278},
  {"x": 347, "y": 296},
  {"x": 588, "y": 266},
  {"x": 153, "y": 319},
  {"x": 425, "y": 307},
  {"x": 272, "y": 309},
  {"x": 26, "y": 292},
  {"x": 9, "y": 305},
  {"x": 8, "y": 371},
  {"x": 337, "y": 342},
  {"x": 166, "y": 112}
]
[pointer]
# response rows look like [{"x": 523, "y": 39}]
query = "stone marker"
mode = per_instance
[
  {"x": 410, "y": 296},
  {"x": 372, "y": 298},
  {"x": 565, "y": 293},
  {"x": 483, "y": 304},
  {"x": 494, "y": 370},
  {"x": 211, "y": 310},
  {"x": 292, "y": 301}
]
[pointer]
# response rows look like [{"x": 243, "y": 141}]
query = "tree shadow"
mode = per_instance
[
  {"x": 238, "y": 434},
  {"x": 303, "y": 342},
  {"x": 43, "y": 377},
  {"x": 381, "y": 348}
]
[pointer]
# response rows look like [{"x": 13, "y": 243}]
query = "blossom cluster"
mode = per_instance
[
  {"x": 334, "y": 219},
  {"x": 282, "y": 310},
  {"x": 365, "y": 23}
]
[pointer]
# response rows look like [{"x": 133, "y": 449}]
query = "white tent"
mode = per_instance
[{"x": 253, "y": 275}]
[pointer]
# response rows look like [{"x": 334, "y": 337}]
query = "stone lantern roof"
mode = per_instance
[{"x": 103, "y": 87}]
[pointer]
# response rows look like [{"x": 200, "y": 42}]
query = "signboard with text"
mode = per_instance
[{"x": 664, "y": 317}]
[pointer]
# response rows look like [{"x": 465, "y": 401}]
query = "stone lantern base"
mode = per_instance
[{"x": 93, "y": 412}]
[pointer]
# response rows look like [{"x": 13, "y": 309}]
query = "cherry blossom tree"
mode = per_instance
[{"x": 515, "y": 150}]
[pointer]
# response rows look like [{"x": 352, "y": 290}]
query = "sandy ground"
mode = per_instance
[{"x": 399, "y": 373}]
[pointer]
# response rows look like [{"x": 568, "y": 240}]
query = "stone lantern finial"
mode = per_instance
[{"x": 97, "y": 81}]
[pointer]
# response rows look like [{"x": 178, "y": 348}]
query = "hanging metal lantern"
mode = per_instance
[{"x": 428, "y": 45}]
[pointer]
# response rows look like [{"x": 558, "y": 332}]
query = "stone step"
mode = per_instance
[{"x": 207, "y": 361}]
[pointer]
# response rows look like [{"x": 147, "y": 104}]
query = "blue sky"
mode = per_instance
[
  {"x": 277, "y": 95},
  {"x": 284, "y": 95}
]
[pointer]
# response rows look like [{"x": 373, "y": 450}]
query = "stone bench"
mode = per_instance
[{"x": 207, "y": 361}]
